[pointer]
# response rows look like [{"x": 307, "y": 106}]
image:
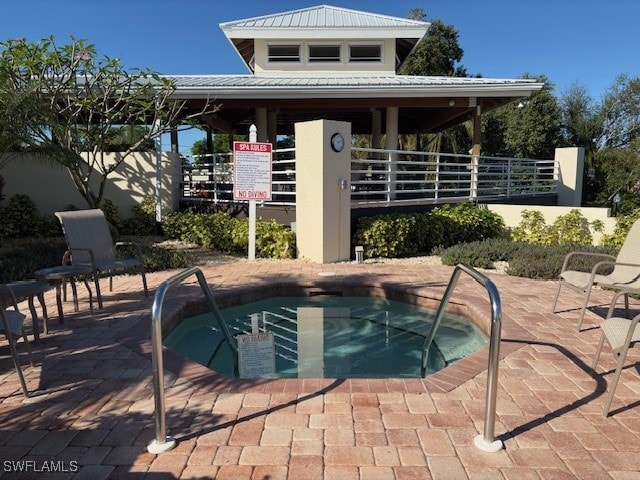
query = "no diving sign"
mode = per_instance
[{"x": 251, "y": 171}]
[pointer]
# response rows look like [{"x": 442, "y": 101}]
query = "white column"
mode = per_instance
[{"x": 570, "y": 170}]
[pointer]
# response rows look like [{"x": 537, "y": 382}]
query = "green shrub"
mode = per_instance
[
  {"x": 112, "y": 214},
  {"x": 469, "y": 223},
  {"x": 531, "y": 229},
  {"x": 391, "y": 235},
  {"x": 221, "y": 232},
  {"x": 402, "y": 235},
  {"x": 569, "y": 229},
  {"x": 19, "y": 258},
  {"x": 621, "y": 230},
  {"x": 143, "y": 219},
  {"x": 273, "y": 240},
  {"x": 156, "y": 258},
  {"x": 525, "y": 259},
  {"x": 481, "y": 253},
  {"x": 19, "y": 218}
]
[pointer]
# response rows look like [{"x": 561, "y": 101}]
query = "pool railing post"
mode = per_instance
[
  {"x": 162, "y": 443},
  {"x": 487, "y": 441}
]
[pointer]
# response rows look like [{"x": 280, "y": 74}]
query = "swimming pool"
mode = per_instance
[{"x": 325, "y": 337}]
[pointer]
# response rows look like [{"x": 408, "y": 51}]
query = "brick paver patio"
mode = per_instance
[{"x": 91, "y": 413}]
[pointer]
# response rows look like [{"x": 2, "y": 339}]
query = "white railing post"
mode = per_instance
[
  {"x": 392, "y": 176},
  {"x": 509, "y": 178},
  {"x": 437, "y": 177},
  {"x": 475, "y": 171}
]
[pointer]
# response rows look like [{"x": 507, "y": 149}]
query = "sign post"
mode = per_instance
[{"x": 252, "y": 180}]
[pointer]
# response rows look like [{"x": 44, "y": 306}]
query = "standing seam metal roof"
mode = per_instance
[{"x": 324, "y": 16}]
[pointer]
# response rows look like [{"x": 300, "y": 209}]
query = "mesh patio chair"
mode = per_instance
[
  {"x": 621, "y": 334},
  {"x": 12, "y": 326},
  {"x": 89, "y": 242},
  {"x": 625, "y": 274}
]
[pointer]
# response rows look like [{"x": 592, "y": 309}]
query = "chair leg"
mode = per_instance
[
  {"x": 614, "y": 384},
  {"x": 28, "y": 346},
  {"x": 96, "y": 280},
  {"x": 555, "y": 302},
  {"x": 45, "y": 315},
  {"x": 144, "y": 284},
  {"x": 16, "y": 363},
  {"x": 585, "y": 304},
  {"x": 626, "y": 304},
  {"x": 598, "y": 351}
]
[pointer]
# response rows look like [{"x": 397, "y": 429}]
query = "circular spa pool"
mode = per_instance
[{"x": 325, "y": 337}]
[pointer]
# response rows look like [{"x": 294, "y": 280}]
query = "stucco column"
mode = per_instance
[
  {"x": 376, "y": 127},
  {"x": 272, "y": 127},
  {"x": 323, "y": 194},
  {"x": 570, "y": 170},
  {"x": 262, "y": 124}
]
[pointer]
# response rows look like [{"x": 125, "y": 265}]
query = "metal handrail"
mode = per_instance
[
  {"x": 162, "y": 442},
  {"x": 487, "y": 441}
]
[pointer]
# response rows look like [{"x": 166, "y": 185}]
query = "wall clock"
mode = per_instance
[{"x": 337, "y": 142}]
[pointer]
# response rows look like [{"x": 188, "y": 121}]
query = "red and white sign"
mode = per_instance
[{"x": 251, "y": 171}]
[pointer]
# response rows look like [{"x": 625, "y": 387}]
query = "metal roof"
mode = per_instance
[
  {"x": 425, "y": 103},
  {"x": 338, "y": 86},
  {"x": 324, "y": 16}
]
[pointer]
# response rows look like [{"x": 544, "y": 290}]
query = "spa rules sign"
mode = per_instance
[{"x": 251, "y": 171}]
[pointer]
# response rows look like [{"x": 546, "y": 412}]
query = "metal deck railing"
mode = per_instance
[{"x": 387, "y": 178}]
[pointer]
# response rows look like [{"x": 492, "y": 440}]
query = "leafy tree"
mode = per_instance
[
  {"x": 530, "y": 129},
  {"x": 620, "y": 113},
  {"x": 438, "y": 53},
  {"x": 610, "y": 133},
  {"x": 70, "y": 106}
]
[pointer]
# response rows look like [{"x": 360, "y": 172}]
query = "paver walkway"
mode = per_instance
[{"x": 91, "y": 414}]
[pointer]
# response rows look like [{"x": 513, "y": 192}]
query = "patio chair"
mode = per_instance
[
  {"x": 12, "y": 326},
  {"x": 624, "y": 276},
  {"x": 89, "y": 242},
  {"x": 621, "y": 334}
]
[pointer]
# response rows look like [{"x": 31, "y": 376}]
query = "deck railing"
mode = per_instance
[{"x": 388, "y": 178}]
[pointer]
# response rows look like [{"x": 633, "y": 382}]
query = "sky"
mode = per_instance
[{"x": 589, "y": 42}]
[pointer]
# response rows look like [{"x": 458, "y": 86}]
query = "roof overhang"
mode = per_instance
[{"x": 426, "y": 103}]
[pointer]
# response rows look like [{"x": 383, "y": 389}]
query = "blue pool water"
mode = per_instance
[{"x": 327, "y": 337}]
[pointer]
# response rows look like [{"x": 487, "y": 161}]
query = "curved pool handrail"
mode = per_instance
[
  {"x": 487, "y": 441},
  {"x": 162, "y": 442}
]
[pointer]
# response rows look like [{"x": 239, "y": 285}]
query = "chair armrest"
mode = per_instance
[
  {"x": 584, "y": 254},
  {"x": 69, "y": 253}
]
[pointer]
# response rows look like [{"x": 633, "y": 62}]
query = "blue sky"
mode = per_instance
[{"x": 585, "y": 41}]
